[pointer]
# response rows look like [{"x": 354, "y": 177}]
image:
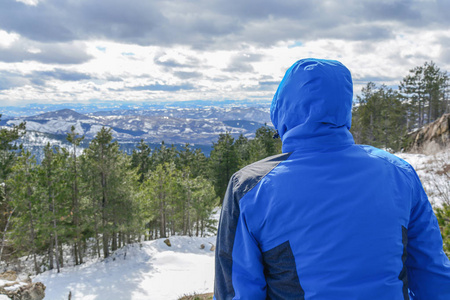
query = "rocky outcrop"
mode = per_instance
[
  {"x": 9, "y": 275},
  {"x": 432, "y": 137},
  {"x": 34, "y": 291},
  {"x": 20, "y": 290}
]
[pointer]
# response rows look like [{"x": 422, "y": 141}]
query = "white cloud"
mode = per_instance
[
  {"x": 29, "y": 2},
  {"x": 7, "y": 39}
]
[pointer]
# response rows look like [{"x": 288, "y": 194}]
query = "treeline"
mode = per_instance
[
  {"x": 382, "y": 116},
  {"x": 103, "y": 199}
]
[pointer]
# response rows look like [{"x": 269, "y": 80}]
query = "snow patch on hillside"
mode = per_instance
[
  {"x": 433, "y": 171},
  {"x": 150, "y": 270}
]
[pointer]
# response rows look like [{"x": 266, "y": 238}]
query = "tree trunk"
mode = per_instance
[
  {"x": 105, "y": 241},
  {"x": 114, "y": 241},
  {"x": 50, "y": 253},
  {"x": 97, "y": 239},
  {"x": 162, "y": 213},
  {"x": 32, "y": 233},
  {"x": 56, "y": 249},
  {"x": 78, "y": 258},
  {"x": 203, "y": 225},
  {"x": 75, "y": 253},
  {"x": 61, "y": 256},
  {"x": 104, "y": 216},
  {"x": 4, "y": 234},
  {"x": 196, "y": 226},
  {"x": 188, "y": 211}
]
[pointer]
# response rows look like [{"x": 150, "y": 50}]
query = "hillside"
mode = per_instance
[{"x": 150, "y": 270}]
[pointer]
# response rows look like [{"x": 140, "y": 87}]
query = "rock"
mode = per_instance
[
  {"x": 35, "y": 291},
  {"x": 9, "y": 275},
  {"x": 213, "y": 247},
  {"x": 432, "y": 137},
  {"x": 202, "y": 246},
  {"x": 167, "y": 242}
]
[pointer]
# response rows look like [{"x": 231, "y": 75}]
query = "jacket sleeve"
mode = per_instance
[
  {"x": 239, "y": 271},
  {"x": 428, "y": 266}
]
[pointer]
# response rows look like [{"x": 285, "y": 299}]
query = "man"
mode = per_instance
[{"x": 327, "y": 219}]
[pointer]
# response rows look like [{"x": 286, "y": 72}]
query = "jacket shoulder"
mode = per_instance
[
  {"x": 248, "y": 177},
  {"x": 386, "y": 156},
  {"x": 395, "y": 161}
]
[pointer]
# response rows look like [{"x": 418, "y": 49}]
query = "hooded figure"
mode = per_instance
[{"x": 327, "y": 219}]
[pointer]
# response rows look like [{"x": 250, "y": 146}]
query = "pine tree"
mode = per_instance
[
  {"x": 425, "y": 89},
  {"x": 7, "y": 160},
  {"x": 265, "y": 136},
  {"x": 243, "y": 150},
  {"x": 102, "y": 156},
  {"x": 74, "y": 179},
  {"x": 199, "y": 166},
  {"x": 26, "y": 201},
  {"x": 204, "y": 202},
  {"x": 7, "y": 137},
  {"x": 223, "y": 162},
  {"x": 141, "y": 160},
  {"x": 379, "y": 118},
  {"x": 49, "y": 175},
  {"x": 160, "y": 190},
  {"x": 111, "y": 186},
  {"x": 163, "y": 155},
  {"x": 185, "y": 163}
]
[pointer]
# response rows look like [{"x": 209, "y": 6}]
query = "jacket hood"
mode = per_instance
[{"x": 314, "y": 97}]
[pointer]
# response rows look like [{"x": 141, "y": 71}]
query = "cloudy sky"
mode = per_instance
[{"x": 59, "y": 51}]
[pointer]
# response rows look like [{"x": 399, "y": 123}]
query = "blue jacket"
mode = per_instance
[{"x": 327, "y": 219}]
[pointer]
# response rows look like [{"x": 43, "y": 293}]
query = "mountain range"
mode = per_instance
[{"x": 199, "y": 126}]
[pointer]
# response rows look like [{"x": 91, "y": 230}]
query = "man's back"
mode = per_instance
[
  {"x": 343, "y": 213},
  {"x": 327, "y": 219}
]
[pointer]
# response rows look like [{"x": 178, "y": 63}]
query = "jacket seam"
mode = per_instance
[{"x": 262, "y": 177}]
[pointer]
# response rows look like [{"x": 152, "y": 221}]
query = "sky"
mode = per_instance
[{"x": 77, "y": 51}]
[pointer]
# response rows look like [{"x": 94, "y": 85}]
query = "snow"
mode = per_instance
[
  {"x": 432, "y": 173},
  {"x": 150, "y": 270},
  {"x": 11, "y": 287}
]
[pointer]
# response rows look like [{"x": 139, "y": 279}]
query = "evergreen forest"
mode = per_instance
[{"x": 103, "y": 199}]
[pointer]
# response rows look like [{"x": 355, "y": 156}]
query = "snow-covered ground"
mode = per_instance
[
  {"x": 434, "y": 173},
  {"x": 150, "y": 270}
]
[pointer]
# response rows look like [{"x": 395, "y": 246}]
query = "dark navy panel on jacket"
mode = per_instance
[
  {"x": 240, "y": 184},
  {"x": 281, "y": 274}
]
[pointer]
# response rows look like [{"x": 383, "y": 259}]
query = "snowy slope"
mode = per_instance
[
  {"x": 151, "y": 270},
  {"x": 434, "y": 173}
]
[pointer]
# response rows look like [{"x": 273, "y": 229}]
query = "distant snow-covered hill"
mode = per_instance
[{"x": 196, "y": 126}]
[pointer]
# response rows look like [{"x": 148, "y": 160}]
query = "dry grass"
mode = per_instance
[{"x": 208, "y": 296}]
